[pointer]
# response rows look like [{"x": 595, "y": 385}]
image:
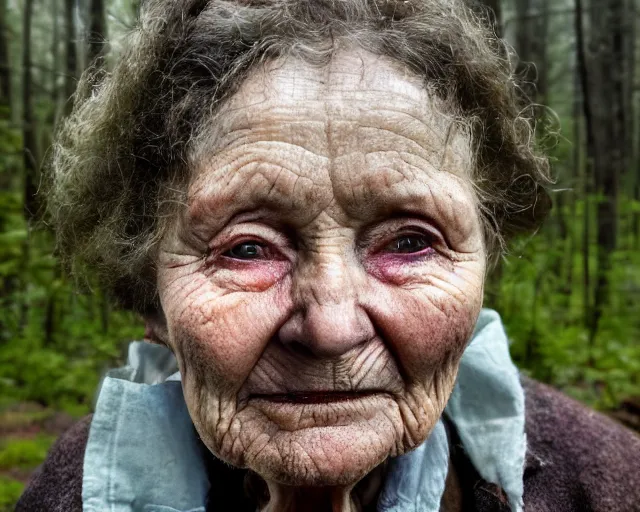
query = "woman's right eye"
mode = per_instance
[
  {"x": 250, "y": 250},
  {"x": 409, "y": 244}
]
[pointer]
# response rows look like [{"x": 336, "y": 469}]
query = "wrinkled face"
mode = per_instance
[{"x": 327, "y": 273}]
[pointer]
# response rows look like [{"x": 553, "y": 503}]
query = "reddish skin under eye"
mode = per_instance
[
  {"x": 389, "y": 266},
  {"x": 268, "y": 265},
  {"x": 253, "y": 273}
]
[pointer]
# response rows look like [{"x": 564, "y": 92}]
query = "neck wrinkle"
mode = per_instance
[
  {"x": 274, "y": 497},
  {"x": 310, "y": 499}
]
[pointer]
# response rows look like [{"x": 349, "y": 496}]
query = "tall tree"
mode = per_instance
[
  {"x": 71, "y": 53},
  {"x": 55, "y": 53},
  {"x": 531, "y": 45},
  {"x": 5, "y": 67},
  {"x": 582, "y": 96},
  {"x": 97, "y": 31},
  {"x": 603, "y": 76},
  {"x": 28, "y": 121}
]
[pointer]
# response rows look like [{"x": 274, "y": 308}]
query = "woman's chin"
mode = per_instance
[
  {"x": 322, "y": 456},
  {"x": 314, "y": 444}
]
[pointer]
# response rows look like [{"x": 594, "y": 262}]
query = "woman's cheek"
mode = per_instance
[
  {"x": 426, "y": 324},
  {"x": 249, "y": 276},
  {"x": 218, "y": 333},
  {"x": 401, "y": 269}
]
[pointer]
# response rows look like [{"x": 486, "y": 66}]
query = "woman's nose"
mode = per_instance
[{"x": 328, "y": 320}]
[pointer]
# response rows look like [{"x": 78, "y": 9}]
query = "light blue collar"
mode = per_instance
[{"x": 143, "y": 453}]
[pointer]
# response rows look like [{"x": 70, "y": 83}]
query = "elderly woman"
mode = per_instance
[{"x": 302, "y": 199}]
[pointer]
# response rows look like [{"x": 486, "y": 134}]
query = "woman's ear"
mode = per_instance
[{"x": 155, "y": 328}]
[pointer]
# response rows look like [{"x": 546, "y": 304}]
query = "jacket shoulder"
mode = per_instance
[
  {"x": 577, "y": 458},
  {"x": 57, "y": 484}
]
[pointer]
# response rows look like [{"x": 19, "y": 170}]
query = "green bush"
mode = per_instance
[
  {"x": 24, "y": 453},
  {"x": 10, "y": 491}
]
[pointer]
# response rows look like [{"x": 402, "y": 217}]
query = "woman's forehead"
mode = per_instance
[
  {"x": 349, "y": 73},
  {"x": 360, "y": 131},
  {"x": 332, "y": 110}
]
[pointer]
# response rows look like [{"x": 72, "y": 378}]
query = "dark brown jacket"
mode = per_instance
[{"x": 577, "y": 461}]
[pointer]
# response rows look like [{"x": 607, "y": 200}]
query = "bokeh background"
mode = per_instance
[{"x": 569, "y": 296}]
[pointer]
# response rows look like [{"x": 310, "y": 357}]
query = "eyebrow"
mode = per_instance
[
  {"x": 214, "y": 207},
  {"x": 434, "y": 202},
  {"x": 438, "y": 203}
]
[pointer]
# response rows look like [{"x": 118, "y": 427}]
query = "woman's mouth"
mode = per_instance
[
  {"x": 315, "y": 397},
  {"x": 300, "y": 410}
]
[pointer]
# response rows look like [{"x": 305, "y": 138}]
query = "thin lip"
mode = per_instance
[{"x": 316, "y": 397}]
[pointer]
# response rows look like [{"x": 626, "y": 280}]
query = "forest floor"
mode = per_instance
[{"x": 27, "y": 431}]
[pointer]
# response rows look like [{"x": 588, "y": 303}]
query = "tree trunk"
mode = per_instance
[
  {"x": 55, "y": 54},
  {"x": 634, "y": 129},
  {"x": 5, "y": 67},
  {"x": 610, "y": 150},
  {"x": 531, "y": 46},
  {"x": 524, "y": 69},
  {"x": 604, "y": 76},
  {"x": 577, "y": 177},
  {"x": 635, "y": 224},
  {"x": 629, "y": 53},
  {"x": 583, "y": 82},
  {"x": 28, "y": 121},
  {"x": 71, "y": 54},
  {"x": 97, "y": 32}
]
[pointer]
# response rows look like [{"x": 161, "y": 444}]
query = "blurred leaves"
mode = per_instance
[
  {"x": 53, "y": 342},
  {"x": 540, "y": 293}
]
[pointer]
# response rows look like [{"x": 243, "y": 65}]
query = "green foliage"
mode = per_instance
[
  {"x": 540, "y": 292},
  {"x": 19, "y": 454},
  {"x": 24, "y": 453},
  {"x": 10, "y": 491},
  {"x": 56, "y": 338}
]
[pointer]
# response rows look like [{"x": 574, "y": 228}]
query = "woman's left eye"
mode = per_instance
[
  {"x": 408, "y": 244},
  {"x": 246, "y": 251}
]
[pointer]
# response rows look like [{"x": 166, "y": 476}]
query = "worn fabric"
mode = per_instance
[
  {"x": 57, "y": 485},
  {"x": 416, "y": 480},
  {"x": 580, "y": 458},
  {"x": 486, "y": 408},
  {"x": 131, "y": 464}
]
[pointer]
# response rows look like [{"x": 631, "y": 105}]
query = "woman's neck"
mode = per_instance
[
  {"x": 352, "y": 498},
  {"x": 312, "y": 499}
]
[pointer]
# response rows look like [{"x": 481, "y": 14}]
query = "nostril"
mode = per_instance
[
  {"x": 326, "y": 330},
  {"x": 291, "y": 332},
  {"x": 300, "y": 349}
]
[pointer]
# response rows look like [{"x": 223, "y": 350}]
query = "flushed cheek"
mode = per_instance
[
  {"x": 425, "y": 327},
  {"x": 396, "y": 269},
  {"x": 247, "y": 276},
  {"x": 218, "y": 336}
]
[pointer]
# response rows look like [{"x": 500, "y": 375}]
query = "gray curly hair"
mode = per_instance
[{"x": 120, "y": 162}]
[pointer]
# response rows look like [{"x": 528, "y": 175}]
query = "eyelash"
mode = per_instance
[
  {"x": 257, "y": 243},
  {"x": 428, "y": 238}
]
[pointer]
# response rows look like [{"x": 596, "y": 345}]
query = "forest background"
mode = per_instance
[{"x": 569, "y": 296}]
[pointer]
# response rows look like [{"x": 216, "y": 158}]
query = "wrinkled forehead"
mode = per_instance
[
  {"x": 358, "y": 102},
  {"x": 360, "y": 138}
]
